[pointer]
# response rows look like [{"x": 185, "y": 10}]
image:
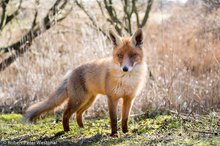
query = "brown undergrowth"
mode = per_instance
[{"x": 182, "y": 53}]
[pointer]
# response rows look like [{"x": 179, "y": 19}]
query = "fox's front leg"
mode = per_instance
[
  {"x": 113, "y": 104},
  {"x": 126, "y": 107}
]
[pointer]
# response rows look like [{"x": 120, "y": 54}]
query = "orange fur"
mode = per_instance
[{"x": 120, "y": 76}]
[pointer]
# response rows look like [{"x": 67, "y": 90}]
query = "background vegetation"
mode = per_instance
[{"x": 40, "y": 41}]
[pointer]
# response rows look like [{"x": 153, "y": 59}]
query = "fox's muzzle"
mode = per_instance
[{"x": 127, "y": 65}]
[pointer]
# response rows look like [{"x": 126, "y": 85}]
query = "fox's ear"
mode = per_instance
[
  {"x": 137, "y": 38},
  {"x": 116, "y": 39}
]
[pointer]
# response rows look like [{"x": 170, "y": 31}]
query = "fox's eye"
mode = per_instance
[
  {"x": 120, "y": 56},
  {"x": 134, "y": 55}
]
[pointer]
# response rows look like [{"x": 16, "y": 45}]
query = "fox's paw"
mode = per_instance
[
  {"x": 124, "y": 130},
  {"x": 114, "y": 134},
  {"x": 66, "y": 130},
  {"x": 27, "y": 118}
]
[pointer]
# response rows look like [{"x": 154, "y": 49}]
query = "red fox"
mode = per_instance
[{"x": 120, "y": 76}]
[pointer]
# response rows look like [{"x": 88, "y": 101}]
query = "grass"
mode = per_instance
[
  {"x": 184, "y": 60},
  {"x": 146, "y": 129}
]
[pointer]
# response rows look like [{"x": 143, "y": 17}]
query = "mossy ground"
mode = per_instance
[{"x": 145, "y": 129}]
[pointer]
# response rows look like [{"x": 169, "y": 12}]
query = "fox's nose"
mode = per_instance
[{"x": 125, "y": 68}]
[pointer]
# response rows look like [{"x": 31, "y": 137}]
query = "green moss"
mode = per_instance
[
  {"x": 10, "y": 118},
  {"x": 159, "y": 130}
]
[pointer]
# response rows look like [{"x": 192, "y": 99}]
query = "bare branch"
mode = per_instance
[
  {"x": 5, "y": 63},
  {"x": 34, "y": 23},
  {"x": 136, "y": 12},
  {"x": 27, "y": 37},
  {"x": 100, "y": 7},
  {"x": 128, "y": 10},
  {"x": 80, "y": 5},
  {"x": 113, "y": 16},
  {"x": 4, "y": 6},
  {"x": 66, "y": 14},
  {"x": 149, "y": 5},
  {"x": 13, "y": 15}
]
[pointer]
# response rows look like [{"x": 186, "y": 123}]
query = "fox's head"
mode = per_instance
[{"x": 128, "y": 51}]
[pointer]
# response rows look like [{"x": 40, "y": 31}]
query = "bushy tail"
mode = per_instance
[{"x": 48, "y": 104}]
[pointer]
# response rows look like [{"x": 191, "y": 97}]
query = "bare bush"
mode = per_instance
[{"x": 120, "y": 14}]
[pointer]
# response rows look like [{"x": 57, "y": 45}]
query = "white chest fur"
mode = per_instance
[{"x": 130, "y": 83}]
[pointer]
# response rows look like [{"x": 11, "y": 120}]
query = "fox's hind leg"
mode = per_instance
[
  {"x": 71, "y": 108},
  {"x": 82, "y": 109}
]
